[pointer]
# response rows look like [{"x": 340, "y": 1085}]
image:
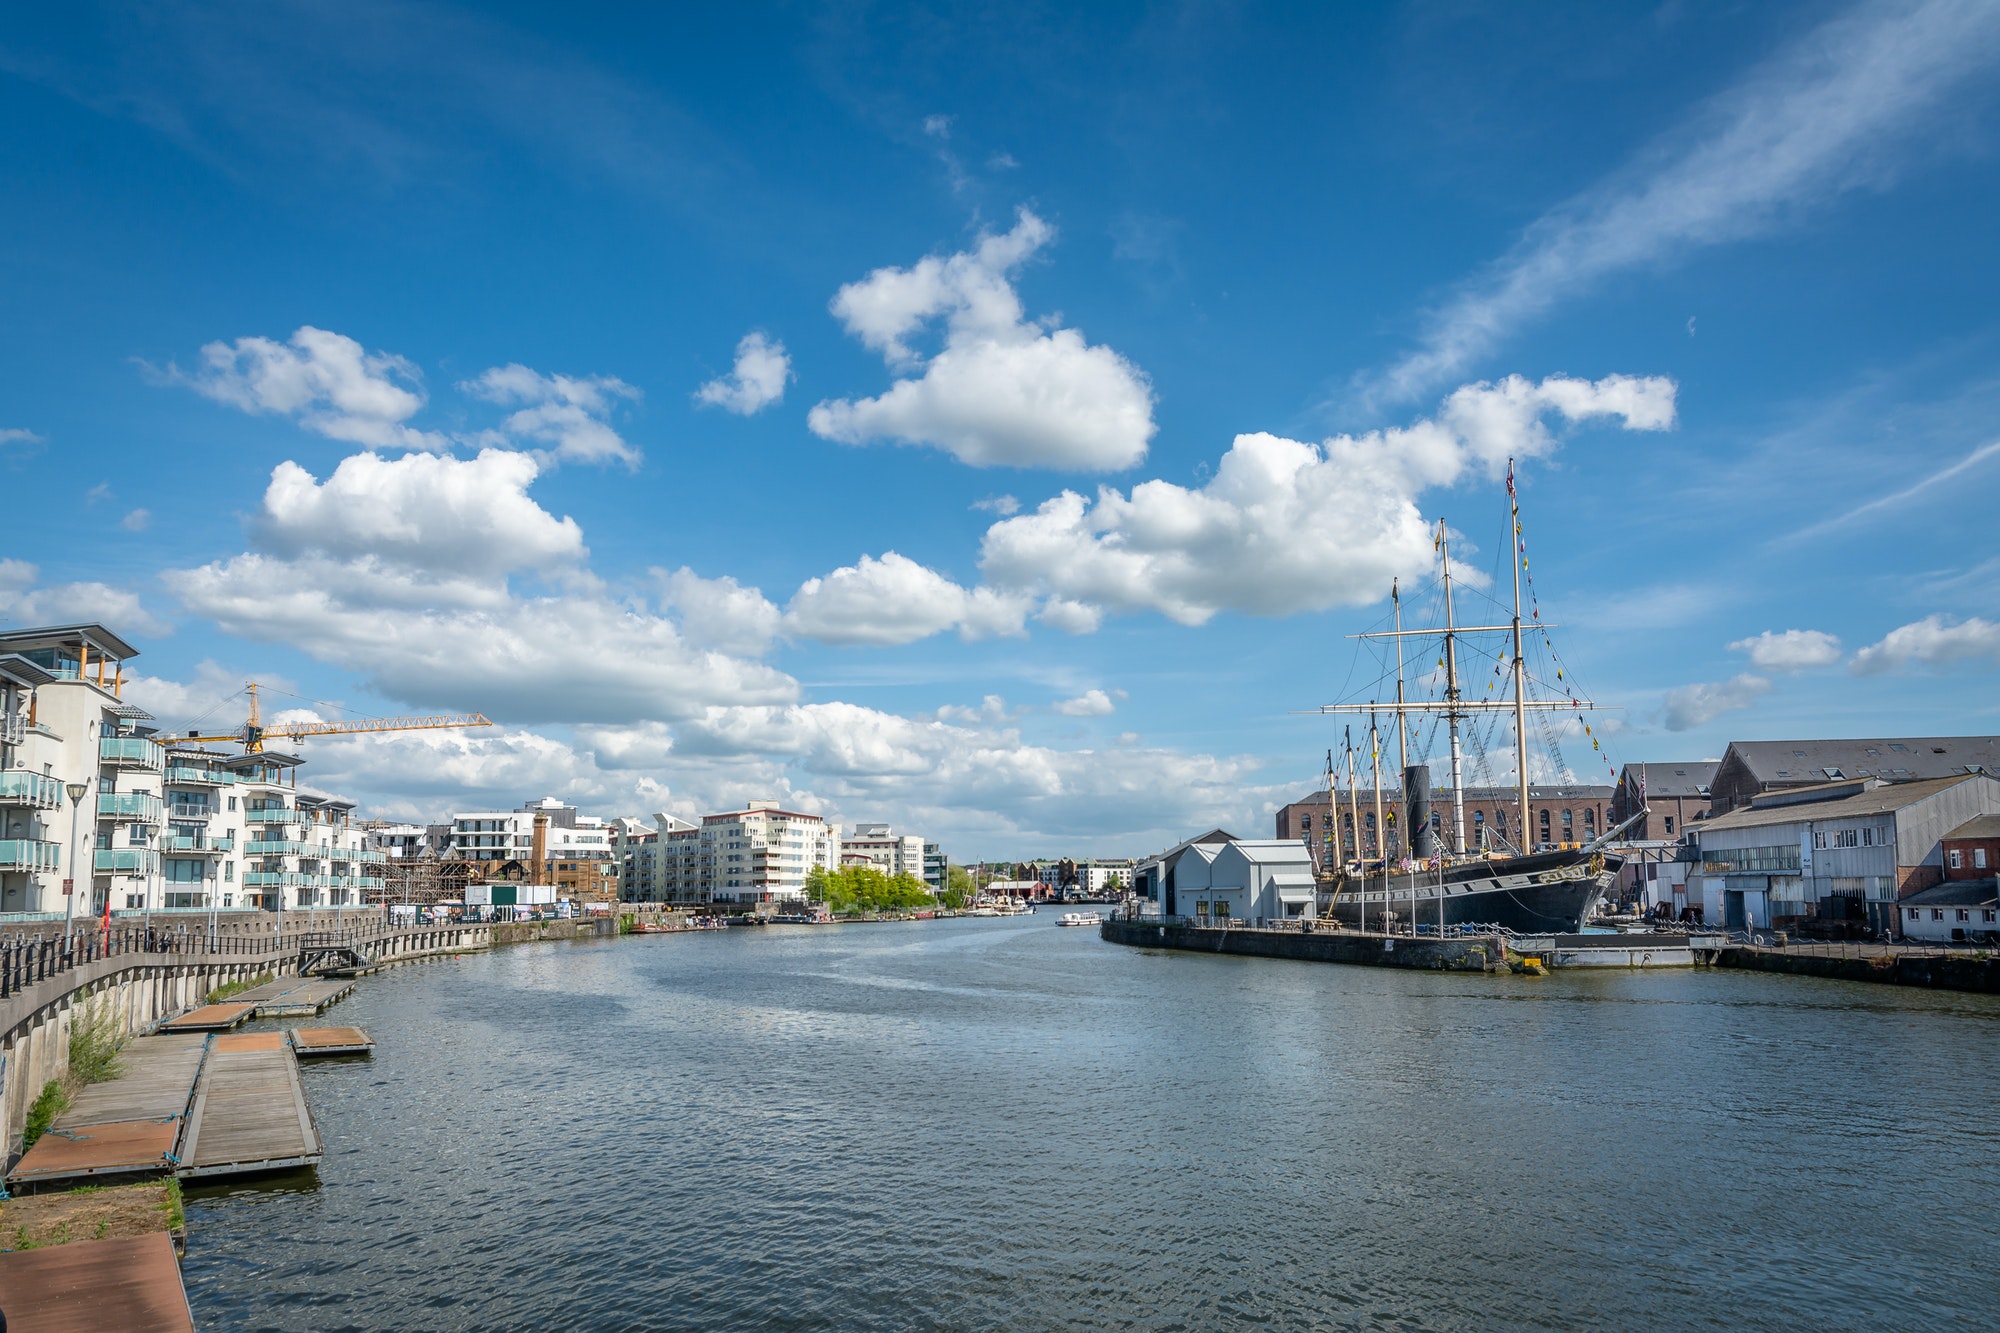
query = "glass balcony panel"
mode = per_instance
[
  {"x": 129, "y": 807},
  {"x": 127, "y": 861},
  {"x": 132, "y": 752},
  {"x": 29, "y": 854},
  {"x": 32, "y": 790}
]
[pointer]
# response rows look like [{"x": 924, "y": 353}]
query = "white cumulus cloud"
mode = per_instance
[
  {"x": 571, "y": 414},
  {"x": 1002, "y": 391},
  {"x": 1789, "y": 650},
  {"x": 1691, "y": 706},
  {"x": 1285, "y": 526},
  {"x": 1933, "y": 641},
  {"x": 327, "y": 381},
  {"x": 1091, "y": 703},
  {"x": 758, "y": 380},
  {"x": 23, "y": 604},
  {"x": 432, "y": 512},
  {"x": 720, "y": 613},
  {"x": 895, "y": 600}
]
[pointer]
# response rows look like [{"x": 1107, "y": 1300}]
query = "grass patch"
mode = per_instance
[
  {"x": 52, "y": 1102},
  {"x": 93, "y": 1043},
  {"x": 229, "y": 988},
  {"x": 176, "y": 1215}
]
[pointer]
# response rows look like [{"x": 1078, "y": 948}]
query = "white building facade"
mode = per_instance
[{"x": 881, "y": 846}]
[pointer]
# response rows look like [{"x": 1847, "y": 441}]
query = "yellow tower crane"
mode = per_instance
[{"x": 254, "y": 731}]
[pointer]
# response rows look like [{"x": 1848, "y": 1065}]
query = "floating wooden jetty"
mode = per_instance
[
  {"x": 249, "y": 1111},
  {"x": 128, "y": 1125},
  {"x": 133, "y": 1285},
  {"x": 211, "y": 1018},
  {"x": 330, "y": 1041},
  {"x": 296, "y": 996}
]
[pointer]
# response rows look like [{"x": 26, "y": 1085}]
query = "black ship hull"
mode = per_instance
[{"x": 1539, "y": 894}]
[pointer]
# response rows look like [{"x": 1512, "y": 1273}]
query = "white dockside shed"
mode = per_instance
[{"x": 1255, "y": 881}]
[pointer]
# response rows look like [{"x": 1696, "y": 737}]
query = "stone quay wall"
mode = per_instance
[{"x": 1472, "y": 954}]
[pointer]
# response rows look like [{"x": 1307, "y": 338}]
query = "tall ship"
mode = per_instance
[{"x": 1427, "y": 875}]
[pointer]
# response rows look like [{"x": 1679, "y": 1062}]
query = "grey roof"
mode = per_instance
[
  {"x": 58, "y": 636},
  {"x": 1214, "y": 835},
  {"x": 1984, "y": 826},
  {"x": 1879, "y": 799},
  {"x": 1689, "y": 778},
  {"x": 1955, "y": 893},
  {"x": 1901, "y": 758},
  {"x": 1272, "y": 849},
  {"x": 17, "y": 668}
]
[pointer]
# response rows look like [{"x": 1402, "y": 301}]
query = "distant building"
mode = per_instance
[
  {"x": 1255, "y": 881},
  {"x": 1749, "y": 768},
  {"x": 1972, "y": 850},
  {"x": 1560, "y": 816},
  {"x": 761, "y": 854},
  {"x": 1957, "y": 912},
  {"x": 575, "y": 851},
  {"x": 881, "y": 846},
  {"x": 1790, "y": 853},
  {"x": 1674, "y": 795},
  {"x": 937, "y": 868},
  {"x": 1156, "y": 879}
]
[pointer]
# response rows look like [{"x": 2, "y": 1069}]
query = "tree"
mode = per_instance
[
  {"x": 958, "y": 890},
  {"x": 864, "y": 888}
]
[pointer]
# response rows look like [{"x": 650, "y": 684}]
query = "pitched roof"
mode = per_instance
[
  {"x": 1984, "y": 826},
  {"x": 1901, "y": 758},
  {"x": 1268, "y": 850},
  {"x": 1878, "y": 799},
  {"x": 1689, "y": 778},
  {"x": 1955, "y": 893}
]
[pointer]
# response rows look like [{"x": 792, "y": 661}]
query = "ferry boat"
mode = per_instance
[{"x": 1527, "y": 891}]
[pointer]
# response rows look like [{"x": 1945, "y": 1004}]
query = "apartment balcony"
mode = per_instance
[
  {"x": 277, "y": 847},
  {"x": 127, "y": 861},
  {"x": 201, "y": 845},
  {"x": 279, "y": 879},
  {"x": 31, "y": 791},
  {"x": 138, "y": 807},
  {"x": 29, "y": 854},
  {"x": 369, "y": 856},
  {"x": 186, "y": 775},
  {"x": 137, "y": 752},
  {"x": 13, "y": 728},
  {"x": 279, "y": 816},
  {"x": 189, "y": 810}
]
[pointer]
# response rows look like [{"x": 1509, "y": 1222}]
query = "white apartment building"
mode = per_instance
[
  {"x": 881, "y": 846},
  {"x": 500, "y": 836},
  {"x": 636, "y": 847},
  {"x": 157, "y": 825},
  {"x": 761, "y": 854}
]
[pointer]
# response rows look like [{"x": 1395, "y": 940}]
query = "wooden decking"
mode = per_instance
[
  {"x": 250, "y": 1112},
  {"x": 130, "y": 1124},
  {"x": 132, "y": 1285},
  {"x": 210, "y": 1018},
  {"x": 330, "y": 1041},
  {"x": 295, "y": 996}
]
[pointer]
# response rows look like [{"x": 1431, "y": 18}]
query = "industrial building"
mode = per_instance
[
  {"x": 1559, "y": 815},
  {"x": 1750, "y": 768}
]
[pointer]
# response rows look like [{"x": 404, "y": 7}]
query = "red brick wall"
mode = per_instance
[{"x": 1968, "y": 869}]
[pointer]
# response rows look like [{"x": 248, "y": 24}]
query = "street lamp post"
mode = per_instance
[{"x": 76, "y": 791}]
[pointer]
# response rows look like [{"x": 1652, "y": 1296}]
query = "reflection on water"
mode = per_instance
[{"x": 1002, "y": 1125}]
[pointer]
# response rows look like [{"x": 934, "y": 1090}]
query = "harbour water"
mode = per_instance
[{"x": 997, "y": 1124}]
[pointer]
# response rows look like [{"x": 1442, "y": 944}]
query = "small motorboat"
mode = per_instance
[{"x": 1080, "y": 919}]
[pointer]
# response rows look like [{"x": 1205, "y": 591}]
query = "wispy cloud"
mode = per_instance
[
  {"x": 1811, "y": 123},
  {"x": 1890, "y": 501}
]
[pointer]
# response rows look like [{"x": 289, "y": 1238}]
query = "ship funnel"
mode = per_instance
[{"x": 1417, "y": 811}]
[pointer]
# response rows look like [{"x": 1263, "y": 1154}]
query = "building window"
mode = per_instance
[
  {"x": 1937, "y": 914},
  {"x": 1986, "y": 915},
  {"x": 1914, "y": 913},
  {"x": 1979, "y": 858},
  {"x": 1953, "y": 855},
  {"x": 1670, "y": 826},
  {"x": 1964, "y": 915},
  {"x": 1819, "y": 841}
]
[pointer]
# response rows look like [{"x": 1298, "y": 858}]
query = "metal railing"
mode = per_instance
[
  {"x": 186, "y": 775},
  {"x": 203, "y": 844},
  {"x": 29, "y": 959},
  {"x": 126, "y": 861},
  {"x": 37, "y": 791},
  {"x": 13, "y": 728},
  {"x": 29, "y": 854}
]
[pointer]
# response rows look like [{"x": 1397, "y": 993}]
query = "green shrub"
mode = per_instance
[
  {"x": 52, "y": 1102},
  {"x": 93, "y": 1042}
]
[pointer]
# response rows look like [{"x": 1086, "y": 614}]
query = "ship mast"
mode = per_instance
[
  {"x": 1402, "y": 718},
  {"x": 1381, "y": 831},
  {"x": 1520, "y": 662},
  {"x": 1452, "y": 712},
  {"x": 1353, "y": 808}
]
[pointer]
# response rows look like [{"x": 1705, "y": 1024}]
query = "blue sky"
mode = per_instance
[{"x": 993, "y": 420}]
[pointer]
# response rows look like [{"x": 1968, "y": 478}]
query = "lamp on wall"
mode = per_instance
[{"x": 76, "y": 791}]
